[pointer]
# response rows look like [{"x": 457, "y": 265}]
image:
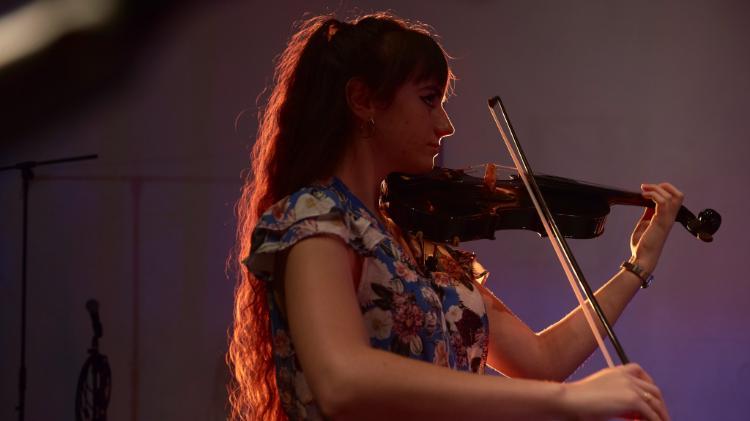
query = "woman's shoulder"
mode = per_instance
[
  {"x": 324, "y": 208},
  {"x": 314, "y": 200}
]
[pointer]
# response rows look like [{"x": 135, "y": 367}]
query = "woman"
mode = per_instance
[{"x": 334, "y": 296}]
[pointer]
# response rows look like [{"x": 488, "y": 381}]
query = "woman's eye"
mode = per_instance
[{"x": 430, "y": 99}]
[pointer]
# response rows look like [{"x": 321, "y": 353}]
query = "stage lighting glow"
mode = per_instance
[{"x": 29, "y": 29}]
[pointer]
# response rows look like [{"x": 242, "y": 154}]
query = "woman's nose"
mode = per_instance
[{"x": 444, "y": 127}]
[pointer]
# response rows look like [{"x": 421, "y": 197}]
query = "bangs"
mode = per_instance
[
  {"x": 414, "y": 56},
  {"x": 430, "y": 61}
]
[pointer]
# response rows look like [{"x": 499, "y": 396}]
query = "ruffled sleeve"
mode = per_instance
[{"x": 309, "y": 212}]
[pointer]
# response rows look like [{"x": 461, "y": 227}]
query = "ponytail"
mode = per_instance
[{"x": 303, "y": 134}]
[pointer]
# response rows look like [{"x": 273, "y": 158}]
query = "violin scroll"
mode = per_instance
[{"x": 704, "y": 226}]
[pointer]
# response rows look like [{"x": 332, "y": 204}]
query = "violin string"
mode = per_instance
[{"x": 505, "y": 167}]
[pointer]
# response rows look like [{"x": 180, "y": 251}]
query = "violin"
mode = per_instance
[
  {"x": 456, "y": 205},
  {"x": 453, "y": 205}
]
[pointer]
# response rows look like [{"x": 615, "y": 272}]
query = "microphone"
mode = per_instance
[{"x": 92, "y": 306}]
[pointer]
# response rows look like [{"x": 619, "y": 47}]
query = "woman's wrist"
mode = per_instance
[
  {"x": 641, "y": 269},
  {"x": 539, "y": 399},
  {"x": 566, "y": 405},
  {"x": 643, "y": 262}
]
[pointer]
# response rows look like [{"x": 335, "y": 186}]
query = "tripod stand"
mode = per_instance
[
  {"x": 27, "y": 175},
  {"x": 95, "y": 379}
]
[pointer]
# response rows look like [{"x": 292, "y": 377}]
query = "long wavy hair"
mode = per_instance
[{"x": 304, "y": 130}]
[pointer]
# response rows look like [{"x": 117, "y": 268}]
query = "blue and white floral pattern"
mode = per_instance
[{"x": 438, "y": 317}]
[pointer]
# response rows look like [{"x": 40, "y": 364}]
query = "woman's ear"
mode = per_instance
[{"x": 360, "y": 100}]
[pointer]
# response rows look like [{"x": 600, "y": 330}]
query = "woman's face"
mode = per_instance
[{"x": 408, "y": 132}]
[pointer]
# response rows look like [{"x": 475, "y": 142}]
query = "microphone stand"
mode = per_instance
[
  {"x": 27, "y": 174},
  {"x": 95, "y": 378}
]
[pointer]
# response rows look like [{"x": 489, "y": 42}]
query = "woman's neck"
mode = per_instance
[{"x": 362, "y": 174}]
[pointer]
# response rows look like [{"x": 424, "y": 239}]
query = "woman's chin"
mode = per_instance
[
  {"x": 421, "y": 166},
  {"x": 425, "y": 167}
]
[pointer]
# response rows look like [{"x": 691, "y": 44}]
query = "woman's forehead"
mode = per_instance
[{"x": 429, "y": 83}]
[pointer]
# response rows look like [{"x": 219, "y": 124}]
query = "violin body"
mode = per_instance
[{"x": 451, "y": 206}]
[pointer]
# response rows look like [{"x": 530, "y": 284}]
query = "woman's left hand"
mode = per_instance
[{"x": 652, "y": 230}]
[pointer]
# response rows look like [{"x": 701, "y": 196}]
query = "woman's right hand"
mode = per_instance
[{"x": 625, "y": 391}]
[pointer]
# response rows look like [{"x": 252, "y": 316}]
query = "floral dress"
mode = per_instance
[{"x": 436, "y": 316}]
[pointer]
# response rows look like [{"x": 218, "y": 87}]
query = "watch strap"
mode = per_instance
[{"x": 646, "y": 277}]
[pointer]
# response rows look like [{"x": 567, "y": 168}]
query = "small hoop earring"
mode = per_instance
[{"x": 368, "y": 128}]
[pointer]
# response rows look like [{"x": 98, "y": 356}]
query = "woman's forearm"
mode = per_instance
[
  {"x": 569, "y": 342},
  {"x": 377, "y": 384}
]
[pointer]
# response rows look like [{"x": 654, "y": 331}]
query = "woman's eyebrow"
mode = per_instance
[{"x": 432, "y": 85}]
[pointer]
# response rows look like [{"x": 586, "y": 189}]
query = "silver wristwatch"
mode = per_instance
[{"x": 646, "y": 277}]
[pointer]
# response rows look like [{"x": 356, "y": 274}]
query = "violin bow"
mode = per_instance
[{"x": 562, "y": 250}]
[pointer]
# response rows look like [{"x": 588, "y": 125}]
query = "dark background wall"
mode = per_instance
[{"x": 610, "y": 92}]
